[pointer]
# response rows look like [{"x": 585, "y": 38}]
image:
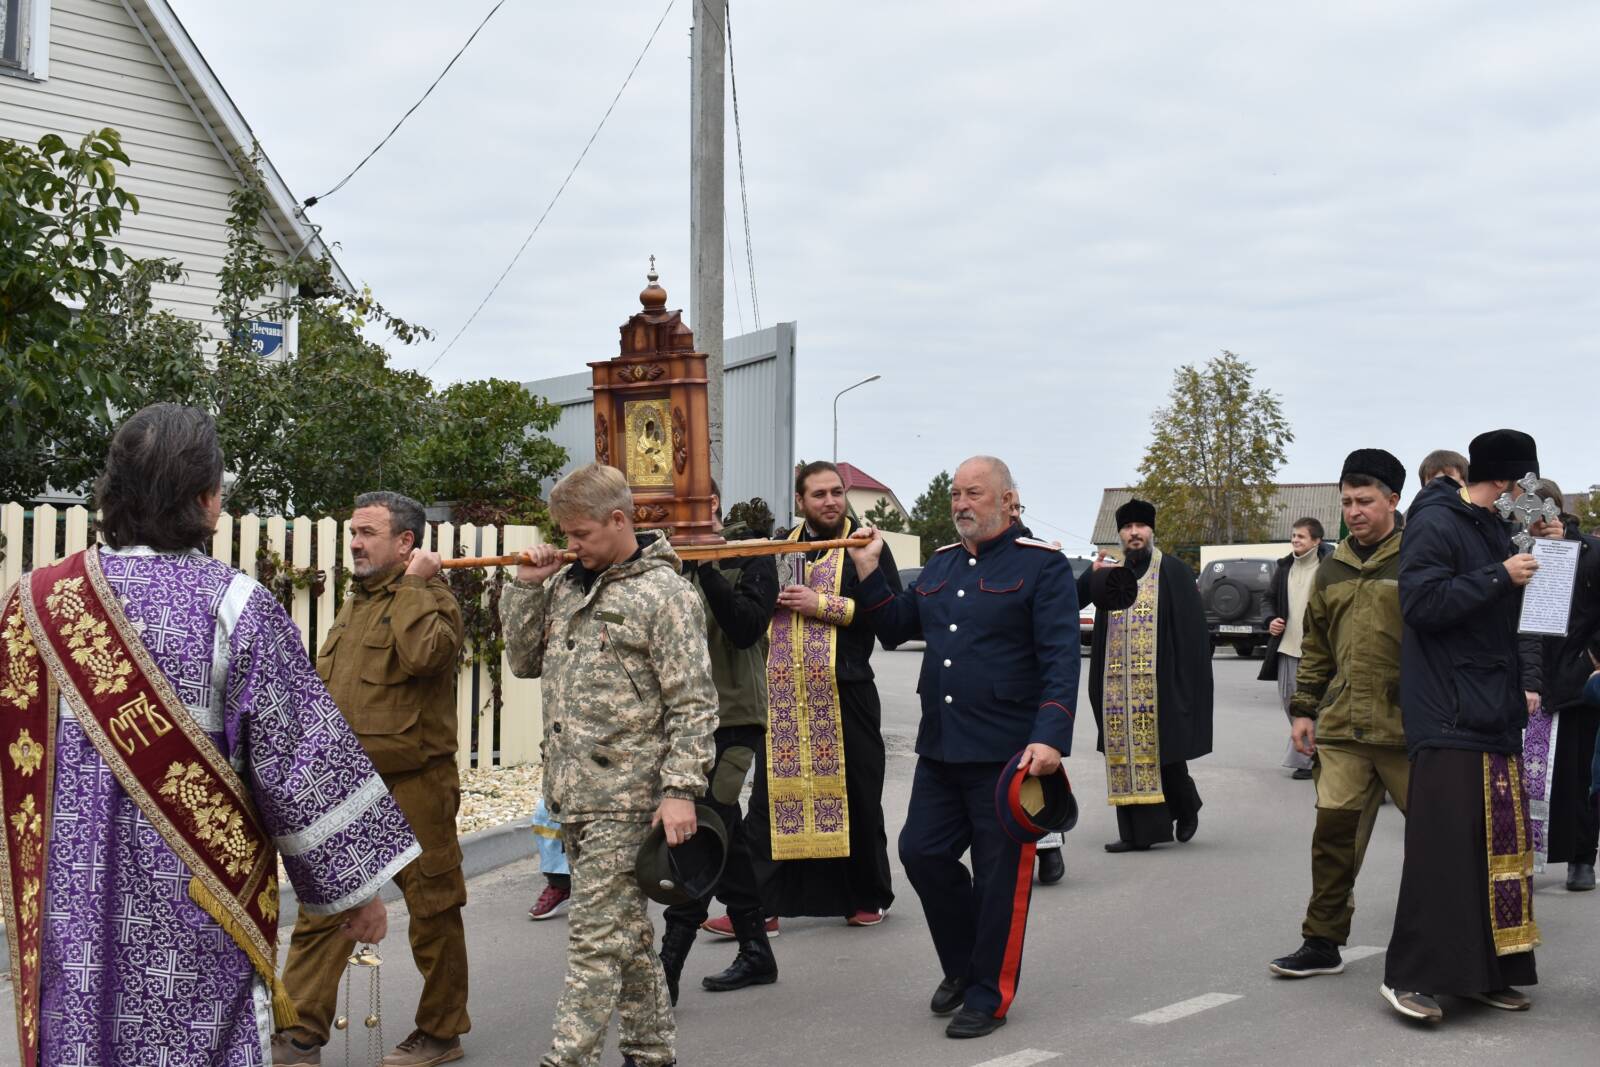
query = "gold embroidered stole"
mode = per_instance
[
  {"x": 65, "y": 635},
  {"x": 27, "y": 732},
  {"x": 1510, "y": 850},
  {"x": 1132, "y": 731},
  {"x": 806, "y": 804}
]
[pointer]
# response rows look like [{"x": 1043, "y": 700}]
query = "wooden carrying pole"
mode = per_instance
[{"x": 692, "y": 553}]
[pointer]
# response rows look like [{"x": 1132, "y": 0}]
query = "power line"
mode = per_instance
[
  {"x": 733, "y": 276},
  {"x": 575, "y": 164},
  {"x": 1058, "y": 529},
  {"x": 313, "y": 201},
  {"x": 744, "y": 192}
]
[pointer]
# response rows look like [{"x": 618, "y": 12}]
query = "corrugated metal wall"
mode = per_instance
[{"x": 758, "y": 417}]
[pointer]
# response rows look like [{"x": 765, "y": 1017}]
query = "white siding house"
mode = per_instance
[{"x": 72, "y": 66}]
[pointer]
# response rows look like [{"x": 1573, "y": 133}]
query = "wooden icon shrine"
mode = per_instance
[{"x": 652, "y": 422}]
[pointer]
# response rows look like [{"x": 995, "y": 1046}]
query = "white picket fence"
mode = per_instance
[{"x": 519, "y": 724}]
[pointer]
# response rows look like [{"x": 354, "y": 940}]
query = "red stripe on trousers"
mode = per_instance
[{"x": 1012, "y": 964}]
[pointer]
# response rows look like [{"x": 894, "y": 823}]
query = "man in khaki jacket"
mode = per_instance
[
  {"x": 390, "y": 663},
  {"x": 1346, "y": 705}
]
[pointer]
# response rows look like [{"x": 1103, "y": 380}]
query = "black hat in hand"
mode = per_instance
[{"x": 682, "y": 874}]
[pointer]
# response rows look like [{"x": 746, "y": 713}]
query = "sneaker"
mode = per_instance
[
  {"x": 722, "y": 927},
  {"x": 552, "y": 902},
  {"x": 1301, "y": 774},
  {"x": 1316, "y": 956},
  {"x": 286, "y": 1053},
  {"x": 424, "y": 1050},
  {"x": 1507, "y": 999},
  {"x": 865, "y": 917},
  {"x": 1413, "y": 1005}
]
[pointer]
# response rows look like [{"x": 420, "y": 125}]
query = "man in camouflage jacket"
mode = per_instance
[{"x": 629, "y": 709}]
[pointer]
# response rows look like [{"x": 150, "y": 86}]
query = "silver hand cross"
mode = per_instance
[{"x": 1525, "y": 509}]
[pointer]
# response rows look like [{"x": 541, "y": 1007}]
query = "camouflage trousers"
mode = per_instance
[{"x": 611, "y": 961}]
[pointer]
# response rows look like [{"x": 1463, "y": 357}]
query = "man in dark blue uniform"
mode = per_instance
[{"x": 999, "y": 614}]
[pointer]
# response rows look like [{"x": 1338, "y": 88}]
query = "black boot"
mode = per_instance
[
  {"x": 675, "y": 945},
  {"x": 754, "y": 965}
]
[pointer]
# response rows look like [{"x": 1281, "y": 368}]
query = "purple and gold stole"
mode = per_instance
[
  {"x": 807, "y": 809},
  {"x": 1538, "y": 761},
  {"x": 65, "y": 635},
  {"x": 1132, "y": 731},
  {"x": 1505, "y": 818}
]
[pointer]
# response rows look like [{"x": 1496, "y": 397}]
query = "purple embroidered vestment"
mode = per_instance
[{"x": 133, "y": 972}]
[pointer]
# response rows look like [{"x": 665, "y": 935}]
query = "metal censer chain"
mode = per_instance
[{"x": 365, "y": 956}]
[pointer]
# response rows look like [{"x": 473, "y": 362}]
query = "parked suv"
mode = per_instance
[{"x": 1234, "y": 592}]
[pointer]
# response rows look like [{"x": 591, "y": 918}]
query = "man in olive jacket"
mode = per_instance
[
  {"x": 390, "y": 664},
  {"x": 739, "y": 595},
  {"x": 1346, "y": 705},
  {"x": 619, "y": 640}
]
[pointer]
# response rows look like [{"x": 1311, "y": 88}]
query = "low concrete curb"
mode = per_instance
[{"x": 482, "y": 851}]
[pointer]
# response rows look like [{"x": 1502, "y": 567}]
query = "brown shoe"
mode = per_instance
[
  {"x": 286, "y": 1053},
  {"x": 423, "y": 1050}
]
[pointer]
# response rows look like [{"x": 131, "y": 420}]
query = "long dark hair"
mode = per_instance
[{"x": 163, "y": 459}]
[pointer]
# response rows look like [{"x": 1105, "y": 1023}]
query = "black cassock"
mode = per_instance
[
  {"x": 1183, "y": 698},
  {"x": 860, "y": 881}
]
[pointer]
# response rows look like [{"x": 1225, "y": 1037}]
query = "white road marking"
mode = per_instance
[
  {"x": 1352, "y": 953},
  {"x": 1185, "y": 1008},
  {"x": 1025, "y": 1058}
]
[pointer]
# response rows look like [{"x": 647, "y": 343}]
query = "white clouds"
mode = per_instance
[{"x": 1023, "y": 215}]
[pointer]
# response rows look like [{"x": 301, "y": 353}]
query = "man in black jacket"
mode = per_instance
[
  {"x": 1467, "y": 835},
  {"x": 739, "y": 595}
]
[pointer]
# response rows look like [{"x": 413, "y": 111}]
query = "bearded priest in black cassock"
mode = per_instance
[{"x": 1150, "y": 684}]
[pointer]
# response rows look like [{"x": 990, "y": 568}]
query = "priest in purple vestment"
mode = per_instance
[{"x": 133, "y": 972}]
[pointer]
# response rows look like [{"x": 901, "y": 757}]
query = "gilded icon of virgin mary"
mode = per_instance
[{"x": 646, "y": 427}]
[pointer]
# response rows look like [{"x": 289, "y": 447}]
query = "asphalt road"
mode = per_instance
[{"x": 1154, "y": 958}]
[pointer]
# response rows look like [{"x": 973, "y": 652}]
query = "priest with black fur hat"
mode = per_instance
[
  {"x": 1464, "y": 922},
  {"x": 1154, "y": 715}
]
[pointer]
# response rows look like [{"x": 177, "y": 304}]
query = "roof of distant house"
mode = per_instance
[
  {"x": 1290, "y": 501},
  {"x": 856, "y": 478}
]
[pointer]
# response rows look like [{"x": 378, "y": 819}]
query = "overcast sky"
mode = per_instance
[{"x": 1022, "y": 215}]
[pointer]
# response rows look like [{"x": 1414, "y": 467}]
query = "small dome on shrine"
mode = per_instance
[{"x": 653, "y": 297}]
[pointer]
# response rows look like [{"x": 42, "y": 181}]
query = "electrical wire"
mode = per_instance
[
  {"x": 733, "y": 276},
  {"x": 744, "y": 191},
  {"x": 575, "y": 164},
  {"x": 315, "y": 199},
  {"x": 1058, "y": 529}
]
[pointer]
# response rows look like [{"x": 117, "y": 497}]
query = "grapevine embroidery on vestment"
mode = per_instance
[
  {"x": 21, "y": 683},
  {"x": 88, "y": 638},
  {"x": 213, "y": 819}
]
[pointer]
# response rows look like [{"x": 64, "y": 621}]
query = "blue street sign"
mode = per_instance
[{"x": 265, "y": 337}]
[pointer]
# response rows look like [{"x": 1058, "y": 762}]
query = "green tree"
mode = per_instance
[
  {"x": 1216, "y": 447},
  {"x": 1588, "y": 511},
  {"x": 59, "y": 206},
  {"x": 930, "y": 516},
  {"x": 81, "y": 344},
  {"x": 155, "y": 355},
  {"x": 307, "y": 432},
  {"x": 885, "y": 516},
  {"x": 486, "y": 454}
]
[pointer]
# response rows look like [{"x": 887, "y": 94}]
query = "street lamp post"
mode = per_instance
[{"x": 836, "y": 397}]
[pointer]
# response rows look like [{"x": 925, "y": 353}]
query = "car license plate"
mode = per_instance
[{"x": 1236, "y": 629}]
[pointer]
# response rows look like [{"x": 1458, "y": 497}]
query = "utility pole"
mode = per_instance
[{"x": 706, "y": 236}]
